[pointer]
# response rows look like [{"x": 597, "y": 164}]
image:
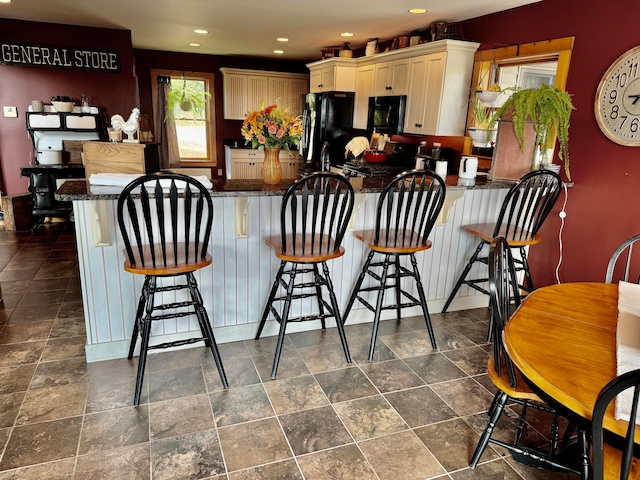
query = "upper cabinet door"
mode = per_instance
[
  {"x": 414, "y": 119},
  {"x": 400, "y": 77},
  {"x": 382, "y": 85},
  {"x": 257, "y": 92},
  {"x": 364, "y": 90},
  {"x": 235, "y": 96}
]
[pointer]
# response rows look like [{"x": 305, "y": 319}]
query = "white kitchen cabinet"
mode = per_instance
[
  {"x": 332, "y": 75},
  {"x": 290, "y": 163},
  {"x": 246, "y": 163},
  {"x": 364, "y": 89},
  {"x": 244, "y": 90},
  {"x": 423, "y": 101},
  {"x": 391, "y": 78}
]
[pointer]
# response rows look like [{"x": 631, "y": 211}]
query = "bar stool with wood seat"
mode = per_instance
[
  {"x": 314, "y": 216},
  {"x": 524, "y": 210},
  {"x": 166, "y": 236},
  {"x": 622, "y": 257},
  {"x": 407, "y": 211}
]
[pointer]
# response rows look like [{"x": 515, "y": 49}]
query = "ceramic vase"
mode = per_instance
[{"x": 271, "y": 170}]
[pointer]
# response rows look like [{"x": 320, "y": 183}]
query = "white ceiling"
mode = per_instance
[{"x": 250, "y": 27}]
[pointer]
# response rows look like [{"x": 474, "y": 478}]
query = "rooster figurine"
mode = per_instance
[{"x": 131, "y": 127}]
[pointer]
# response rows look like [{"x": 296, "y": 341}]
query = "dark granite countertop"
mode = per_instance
[{"x": 81, "y": 190}]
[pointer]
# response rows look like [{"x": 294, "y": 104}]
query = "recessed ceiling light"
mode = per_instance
[
  {"x": 279, "y": 52},
  {"x": 417, "y": 10},
  {"x": 346, "y": 34},
  {"x": 194, "y": 44},
  {"x": 5, "y": 1},
  {"x": 282, "y": 39},
  {"x": 199, "y": 30}
]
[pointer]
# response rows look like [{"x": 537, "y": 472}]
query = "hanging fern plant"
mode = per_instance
[
  {"x": 549, "y": 109},
  {"x": 186, "y": 99}
]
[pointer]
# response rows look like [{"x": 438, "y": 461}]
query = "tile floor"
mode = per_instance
[{"x": 411, "y": 414}]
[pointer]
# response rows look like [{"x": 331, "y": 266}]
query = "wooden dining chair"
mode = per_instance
[
  {"x": 512, "y": 388},
  {"x": 166, "y": 236},
  {"x": 314, "y": 216},
  {"x": 622, "y": 258},
  {"x": 612, "y": 456},
  {"x": 523, "y": 211},
  {"x": 406, "y": 213}
]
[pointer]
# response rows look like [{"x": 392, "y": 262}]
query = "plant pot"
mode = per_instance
[
  {"x": 482, "y": 137},
  {"x": 489, "y": 98}
]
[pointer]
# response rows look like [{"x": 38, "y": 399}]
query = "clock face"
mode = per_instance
[{"x": 617, "y": 102}]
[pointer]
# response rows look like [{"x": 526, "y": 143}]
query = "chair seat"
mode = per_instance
[
  {"x": 294, "y": 248},
  {"x": 613, "y": 461},
  {"x": 404, "y": 242},
  {"x": 521, "y": 392},
  {"x": 485, "y": 232},
  {"x": 160, "y": 269}
]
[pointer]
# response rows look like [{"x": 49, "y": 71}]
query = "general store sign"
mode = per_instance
[{"x": 73, "y": 58}]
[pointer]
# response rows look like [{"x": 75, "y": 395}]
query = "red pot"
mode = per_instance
[{"x": 375, "y": 156}]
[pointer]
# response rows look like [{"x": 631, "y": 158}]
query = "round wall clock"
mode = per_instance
[{"x": 617, "y": 102}]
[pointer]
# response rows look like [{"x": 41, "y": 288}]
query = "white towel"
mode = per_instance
[
  {"x": 627, "y": 342},
  {"x": 123, "y": 179},
  {"x": 356, "y": 146}
]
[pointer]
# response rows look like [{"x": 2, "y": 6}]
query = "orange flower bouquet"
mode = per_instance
[{"x": 271, "y": 127}]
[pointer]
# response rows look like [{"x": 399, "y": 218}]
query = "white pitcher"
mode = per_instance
[{"x": 468, "y": 167}]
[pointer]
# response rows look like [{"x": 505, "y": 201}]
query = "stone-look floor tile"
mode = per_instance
[
  {"x": 359, "y": 348},
  {"x": 60, "y": 470},
  {"x": 266, "y": 435},
  {"x": 63, "y": 348},
  {"x": 465, "y": 396},
  {"x": 175, "y": 383},
  {"x": 340, "y": 463},
  {"x": 114, "y": 369},
  {"x": 9, "y": 406},
  {"x": 401, "y": 456},
  {"x": 314, "y": 338},
  {"x": 25, "y": 332},
  {"x": 17, "y": 287},
  {"x": 472, "y": 360},
  {"x": 369, "y": 417},
  {"x": 442, "y": 319},
  {"x": 295, "y": 394},
  {"x": 173, "y": 360},
  {"x": 17, "y": 275},
  {"x": 180, "y": 416},
  {"x": 24, "y": 265},
  {"x": 285, "y": 470},
  {"x": 313, "y": 430},
  {"x": 61, "y": 372},
  {"x": 449, "y": 338},
  {"x": 267, "y": 345},
  {"x": 42, "y": 442},
  {"x": 452, "y": 443},
  {"x": 114, "y": 428},
  {"x": 68, "y": 327},
  {"x": 529, "y": 473},
  {"x": 498, "y": 469},
  {"x": 109, "y": 393},
  {"x": 240, "y": 372},
  {"x": 16, "y": 379},
  {"x": 476, "y": 332},
  {"x": 11, "y": 301},
  {"x": 290, "y": 365},
  {"x": 126, "y": 463},
  {"x": 228, "y": 350},
  {"x": 410, "y": 344},
  {"x": 241, "y": 404},
  {"x": 345, "y": 384},
  {"x": 434, "y": 368},
  {"x": 420, "y": 406},
  {"x": 58, "y": 268},
  {"x": 486, "y": 382},
  {"x": 71, "y": 310},
  {"x": 53, "y": 297},
  {"x": 4, "y": 436},
  {"x": 192, "y": 456},
  {"x": 34, "y": 313},
  {"x": 324, "y": 358},
  {"x": 47, "y": 285},
  {"x": 483, "y": 313},
  {"x": 354, "y": 330},
  {"x": 391, "y": 376},
  {"x": 20, "y": 353},
  {"x": 51, "y": 403}
]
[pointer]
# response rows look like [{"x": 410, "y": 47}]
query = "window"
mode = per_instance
[{"x": 190, "y": 102}]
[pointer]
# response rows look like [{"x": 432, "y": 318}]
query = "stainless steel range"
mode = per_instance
[{"x": 401, "y": 157}]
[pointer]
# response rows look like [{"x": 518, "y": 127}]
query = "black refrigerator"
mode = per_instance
[{"x": 328, "y": 117}]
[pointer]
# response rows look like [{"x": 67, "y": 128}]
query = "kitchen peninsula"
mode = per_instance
[{"x": 236, "y": 286}]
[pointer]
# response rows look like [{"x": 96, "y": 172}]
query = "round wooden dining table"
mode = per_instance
[{"x": 563, "y": 341}]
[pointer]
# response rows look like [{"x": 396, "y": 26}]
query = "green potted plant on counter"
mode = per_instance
[{"x": 548, "y": 110}]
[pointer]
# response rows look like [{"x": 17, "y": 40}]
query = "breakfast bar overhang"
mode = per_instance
[{"x": 235, "y": 287}]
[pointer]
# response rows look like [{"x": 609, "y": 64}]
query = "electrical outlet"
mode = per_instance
[
  {"x": 219, "y": 172},
  {"x": 10, "y": 112}
]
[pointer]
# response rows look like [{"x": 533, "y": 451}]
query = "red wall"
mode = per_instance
[
  {"x": 20, "y": 85},
  {"x": 603, "y": 207}
]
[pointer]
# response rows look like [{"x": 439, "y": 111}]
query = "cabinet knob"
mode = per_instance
[{"x": 418, "y": 125}]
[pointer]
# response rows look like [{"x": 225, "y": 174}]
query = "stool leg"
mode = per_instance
[
  {"x": 318, "y": 282},
  {"x": 356, "y": 288},
  {"x": 139, "y": 313},
  {"x": 283, "y": 320},
  {"x": 205, "y": 326},
  {"x": 144, "y": 344},
  {"x": 272, "y": 295},
  {"x": 527, "y": 273},
  {"x": 336, "y": 312},
  {"x": 376, "y": 318},
  {"x": 423, "y": 300},
  {"x": 398, "y": 290},
  {"x": 463, "y": 276},
  {"x": 498, "y": 405}
]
